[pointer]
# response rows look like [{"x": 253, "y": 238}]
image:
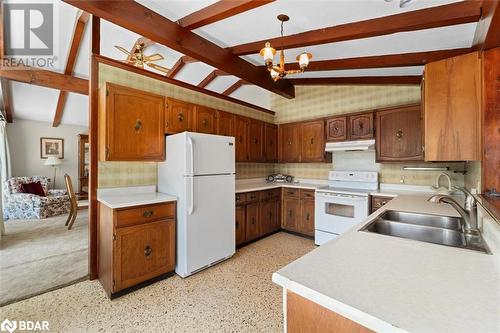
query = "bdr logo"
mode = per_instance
[
  {"x": 29, "y": 29},
  {"x": 24, "y": 325}
]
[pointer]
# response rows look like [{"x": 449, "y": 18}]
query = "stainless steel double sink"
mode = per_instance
[{"x": 443, "y": 230}]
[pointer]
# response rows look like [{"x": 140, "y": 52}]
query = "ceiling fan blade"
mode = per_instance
[
  {"x": 153, "y": 57},
  {"x": 123, "y": 50},
  {"x": 158, "y": 67}
]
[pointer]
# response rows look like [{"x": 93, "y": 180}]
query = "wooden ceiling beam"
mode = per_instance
[
  {"x": 234, "y": 87},
  {"x": 45, "y": 78},
  {"x": 7, "y": 100},
  {"x": 219, "y": 11},
  {"x": 434, "y": 17},
  {"x": 146, "y": 22},
  {"x": 487, "y": 35},
  {"x": 179, "y": 64},
  {"x": 81, "y": 21},
  {"x": 399, "y": 80},
  {"x": 381, "y": 61},
  {"x": 210, "y": 77}
]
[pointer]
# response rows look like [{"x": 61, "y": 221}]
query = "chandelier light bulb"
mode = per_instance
[
  {"x": 268, "y": 53},
  {"x": 304, "y": 60}
]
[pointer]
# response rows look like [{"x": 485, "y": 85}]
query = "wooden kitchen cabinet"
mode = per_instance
[
  {"x": 291, "y": 209},
  {"x": 256, "y": 141},
  {"x": 240, "y": 221},
  {"x": 204, "y": 120},
  {"x": 361, "y": 126},
  {"x": 313, "y": 141},
  {"x": 178, "y": 116},
  {"x": 241, "y": 138},
  {"x": 252, "y": 230},
  {"x": 135, "y": 245},
  {"x": 225, "y": 123},
  {"x": 453, "y": 108},
  {"x": 336, "y": 129},
  {"x": 270, "y": 211},
  {"x": 399, "y": 136},
  {"x": 270, "y": 142},
  {"x": 289, "y": 138},
  {"x": 306, "y": 223},
  {"x": 130, "y": 125}
]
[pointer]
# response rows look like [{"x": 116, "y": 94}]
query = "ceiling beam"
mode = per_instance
[
  {"x": 146, "y": 22},
  {"x": 45, "y": 78},
  {"x": 381, "y": 61},
  {"x": 179, "y": 64},
  {"x": 219, "y": 11},
  {"x": 81, "y": 21},
  {"x": 487, "y": 35},
  {"x": 210, "y": 77},
  {"x": 234, "y": 87},
  {"x": 434, "y": 17},
  {"x": 400, "y": 80},
  {"x": 7, "y": 100}
]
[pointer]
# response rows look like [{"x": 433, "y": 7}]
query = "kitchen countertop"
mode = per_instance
[
  {"x": 392, "y": 284},
  {"x": 242, "y": 187},
  {"x": 132, "y": 196}
]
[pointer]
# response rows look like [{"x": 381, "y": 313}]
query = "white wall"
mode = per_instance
[{"x": 24, "y": 143}]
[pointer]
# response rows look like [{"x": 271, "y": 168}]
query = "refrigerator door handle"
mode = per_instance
[
  {"x": 191, "y": 155},
  {"x": 191, "y": 196}
]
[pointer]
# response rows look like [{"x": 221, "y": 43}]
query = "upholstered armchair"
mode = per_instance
[{"x": 18, "y": 205}]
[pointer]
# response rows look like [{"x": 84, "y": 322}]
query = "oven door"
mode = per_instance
[{"x": 337, "y": 213}]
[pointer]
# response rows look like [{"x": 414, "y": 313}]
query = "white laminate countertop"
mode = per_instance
[
  {"x": 391, "y": 284},
  {"x": 261, "y": 185},
  {"x": 132, "y": 196}
]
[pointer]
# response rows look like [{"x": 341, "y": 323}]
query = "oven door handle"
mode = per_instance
[{"x": 347, "y": 197}]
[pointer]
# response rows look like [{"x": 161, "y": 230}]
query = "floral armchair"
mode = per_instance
[{"x": 18, "y": 205}]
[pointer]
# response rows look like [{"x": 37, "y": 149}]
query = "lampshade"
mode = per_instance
[
  {"x": 52, "y": 161},
  {"x": 303, "y": 59},
  {"x": 268, "y": 53}
]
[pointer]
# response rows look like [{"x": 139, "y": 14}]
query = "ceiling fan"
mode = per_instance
[{"x": 137, "y": 57}]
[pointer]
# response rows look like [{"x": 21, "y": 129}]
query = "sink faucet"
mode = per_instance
[{"x": 469, "y": 212}]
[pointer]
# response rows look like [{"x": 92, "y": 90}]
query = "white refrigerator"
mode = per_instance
[{"x": 200, "y": 170}]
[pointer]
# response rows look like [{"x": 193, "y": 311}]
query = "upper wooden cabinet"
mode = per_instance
[
  {"x": 130, "y": 125},
  {"x": 361, "y": 126},
  {"x": 225, "y": 123},
  {"x": 179, "y": 116},
  {"x": 336, "y": 129},
  {"x": 271, "y": 142},
  {"x": 289, "y": 138},
  {"x": 256, "y": 141},
  {"x": 241, "y": 125},
  {"x": 313, "y": 141},
  {"x": 204, "y": 120},
  {"x": 399, "y": 135},
  {"x": 452, "y": 108},
  {"x": 351, "y": 127}
]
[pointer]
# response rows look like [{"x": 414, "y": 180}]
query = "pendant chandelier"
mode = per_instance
[{"x": 278, "y": 71}]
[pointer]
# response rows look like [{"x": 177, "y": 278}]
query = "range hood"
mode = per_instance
[{"x": 358, "y": 145}]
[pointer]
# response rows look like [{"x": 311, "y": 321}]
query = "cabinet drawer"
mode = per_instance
[
  {"x": 253, "y": 196},
  {"x": 143, "y": 214},
  {"x": 307, "y": 194},
  {"x": 240, "y": 198},
  {"x": 291, "y": 192},
  {"x": 269, "y": 194},
  {"x": 378, "y": 202}
]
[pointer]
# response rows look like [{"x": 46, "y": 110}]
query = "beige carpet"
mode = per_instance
[
  {"x": 40, "y": 255},
  {"x": 234, "y": 296}
]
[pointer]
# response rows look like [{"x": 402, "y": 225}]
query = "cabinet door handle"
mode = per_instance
[
  {"x": 147, "y": 251},
  {"x": 138, "y": 125},
  {"x": 255, "y": 141},
  {"x": 312, "y": 141},
  {"x": 399, "y": 134},
  {"x": 308, "y": 216},
  {"x": 290, "y": 213},
  {"x": 253, "y": 220},
  {"x": 180, "y": 116},
  {"x": 360, "y": 126},
  {"x": 148, "y": 213},
  {"x": 237, "y": 224},
  {"x": 289, "y": 142},
  {"x": 204, "y": 122},
  {"x": 241, "y": 139}
]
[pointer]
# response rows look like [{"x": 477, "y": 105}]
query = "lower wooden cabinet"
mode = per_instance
[
  {"x": 291, "y": 213},
  {"x": 252, "y": 221},
  {"x": 306, "y": 222},
  {"x": 136, "y": 244},
  {"x": 240, "y": 224},
  {"x": 298, "y": 211}
]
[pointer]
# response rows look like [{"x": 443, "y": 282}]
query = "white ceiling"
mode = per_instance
[{"x": 31, "y": 102}]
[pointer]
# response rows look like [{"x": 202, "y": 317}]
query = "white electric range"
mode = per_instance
[{"x": 343, "y": 203}]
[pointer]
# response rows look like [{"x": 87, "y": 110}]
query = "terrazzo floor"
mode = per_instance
[{"x": 234, "y": 296}]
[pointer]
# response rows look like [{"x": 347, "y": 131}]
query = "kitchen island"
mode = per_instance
[{"x": 391, "y": 284}]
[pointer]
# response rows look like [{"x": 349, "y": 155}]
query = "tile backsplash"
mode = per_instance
[{"x": 118, "y": 174}]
